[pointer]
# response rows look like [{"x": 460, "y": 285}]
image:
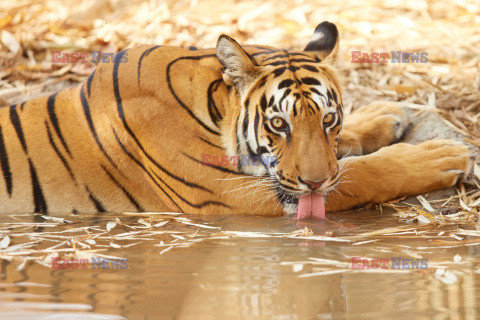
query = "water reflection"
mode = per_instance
[{"x": 245, "y": 278}]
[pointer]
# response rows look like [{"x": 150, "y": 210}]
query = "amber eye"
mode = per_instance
[
  {"x": 328, "y": 119},
  {"x": 279, "y": 124}
]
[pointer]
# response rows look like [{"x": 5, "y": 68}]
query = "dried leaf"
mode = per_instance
[
  {"x": 425, "y": 204},
  {"x": 111, "y": 225},
  {"x": 446, "y": 276},
  {"x": 5, "y": 242},
  {"x": 10, "y": 42}
]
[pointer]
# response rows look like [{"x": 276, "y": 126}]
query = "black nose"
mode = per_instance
[{"x": 313, "y": 185}]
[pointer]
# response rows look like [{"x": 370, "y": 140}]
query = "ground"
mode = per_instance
[{"x": 447, "y": 30}]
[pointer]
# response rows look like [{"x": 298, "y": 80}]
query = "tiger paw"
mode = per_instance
[
  {"x": 372, "y": 127},
  {"x": 416, "y": 169}
]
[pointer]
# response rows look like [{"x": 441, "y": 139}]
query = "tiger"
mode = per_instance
[{"x": 142, "y": 135}]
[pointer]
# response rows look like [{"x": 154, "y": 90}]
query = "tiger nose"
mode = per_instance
[{"x": 313, "y": 185}]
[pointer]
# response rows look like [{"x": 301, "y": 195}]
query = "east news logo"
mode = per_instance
[
  {"x": 243, "y": 160},
  {"x": 392, "y": 263},
  {"x": 382, "y": 57},
  {"x": 94, "y": 263},
  {"x": 83, "y": 57}
]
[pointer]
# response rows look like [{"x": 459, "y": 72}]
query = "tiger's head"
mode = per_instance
[{"x": 285, "y": 109}]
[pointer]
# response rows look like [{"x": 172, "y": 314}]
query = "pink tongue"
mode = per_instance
[{"x": 311, "y": 205}]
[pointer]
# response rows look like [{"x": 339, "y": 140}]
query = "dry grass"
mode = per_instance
[{"x": 448, "y": 30}]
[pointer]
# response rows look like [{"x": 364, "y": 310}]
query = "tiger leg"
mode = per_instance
[
  {"x": 372, "y": 127},
  {"x": 400, "y": 170}
]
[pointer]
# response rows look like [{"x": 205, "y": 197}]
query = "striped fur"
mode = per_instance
[{"x": 132, "y": 136}]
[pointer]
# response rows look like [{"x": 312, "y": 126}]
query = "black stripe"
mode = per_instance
[
  {"x": 285, "y": 83},
  {"x": 86, "y": 111},
  {"x": 144, "y": 54},
  {"x": 293, "y": 68},
  {"x": 169, "y": 82},
  {"x": 55, "y": 148},
  {"x": 38, "y": 198},
  {"x": 18, "y": 127},
  {"x": 299, "y": 54},
  {"x": 278, "y": 72},
  {"x": 22, "y": 105},
  {"x": 282, "y": 55},
  {"x": 198, "y": 206},
  {"x": 262, "y": 82},
  {"x": 277, "y": 63},
  {"x": 89, "y": 82},
  {"x": 271, "y": 101},
  {"x": 263, "y": 102},
  {"x": 144, "y": 169},
  {"x": 340, "y": 110},
  {"x": 287, "y": 187},
  {"x": 309, "y": 68},
  {"x": 7, "y": 174},
  {"x": 311, "y": 81},
  {"x": 98, "y": 205},
  {"x": 267, "y": 128},
  {"x": 121, "y": 114},
  {"x": 125, "y": 192},
  {"x": 316, "y": 105},
  {"x": 237, "y": 144},
  {"x": 219, "y": 168},
  {"x": 256, "y": 121},
  {"x": 314, "y": 90},
  {"x": 215, "y": 115},
  {"x": 334, "y": 94},
  {"x": 54, "y": 120},
  {"x": 302, "y": 60},
  {"x": 210, "y": 143},
  {"x": 267, "y": 51},
  {"x": 246, "y": 121},
  {"x": 285, "y": 95},
  {"x": 329, "y": 96}
]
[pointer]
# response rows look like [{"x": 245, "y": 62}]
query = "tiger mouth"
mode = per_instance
[
  {"x": 290, "y": 200},
  {"x": 290, "y": 204},
  {"x": 292, "y": 197}
]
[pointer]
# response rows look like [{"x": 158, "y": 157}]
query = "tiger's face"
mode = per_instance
[
  {"x": 296, "y": 128},
  {"x": 289, "y": 115}
]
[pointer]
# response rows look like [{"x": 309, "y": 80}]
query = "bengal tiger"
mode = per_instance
[{"x": 143, "y": 133}]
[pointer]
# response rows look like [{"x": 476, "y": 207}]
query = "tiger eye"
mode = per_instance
[
  {"x": 328, "y": 118},
  {"x": 278, "y": 123}
]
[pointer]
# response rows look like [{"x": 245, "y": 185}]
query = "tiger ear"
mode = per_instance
[
  {"x": 325, "y": 41},
  {"x": 239, "y": 68}
]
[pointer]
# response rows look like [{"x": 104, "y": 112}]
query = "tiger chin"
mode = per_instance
[{"x": 175, "y": 129}]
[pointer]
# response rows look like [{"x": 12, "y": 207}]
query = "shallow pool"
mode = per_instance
[{"x": 190, "y": 267}]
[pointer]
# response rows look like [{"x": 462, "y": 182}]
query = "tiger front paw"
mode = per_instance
[
  {"x": 372, "y": 127},
  {"x": 417, "y": 169},
  {"x": 400, "y": 170}
]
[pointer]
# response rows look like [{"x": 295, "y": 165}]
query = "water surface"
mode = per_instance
[{"x": 246, "y": 268}]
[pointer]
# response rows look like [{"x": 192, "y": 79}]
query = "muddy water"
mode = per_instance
[{"x": 260, "y": 275}]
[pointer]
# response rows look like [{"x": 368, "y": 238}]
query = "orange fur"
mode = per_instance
[{"x": 132, "y": 138}]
